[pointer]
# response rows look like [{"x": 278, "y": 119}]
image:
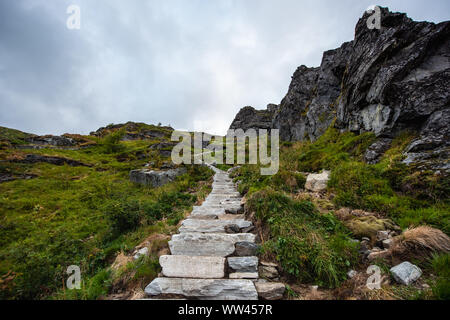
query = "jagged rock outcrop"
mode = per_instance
[
  {"x": 136, "y": 131},
  {"x": 155, "y": 178},
  {"x": 59, "y": 141},
  {"x": 384, "y": 81},
  {"x": 249, "y": 118}
]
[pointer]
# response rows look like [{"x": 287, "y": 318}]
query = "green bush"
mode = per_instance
[
  {"x": 309, "y": 246},
  {"x": 111, "y": 143},
  {"x": 123, "y": 215}
]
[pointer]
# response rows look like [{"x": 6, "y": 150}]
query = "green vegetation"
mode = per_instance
[
  {"x": 313, "y": 247},
  {"x": 11, "y": 136},
  {"x": 441, "y": 268},
  {"x": 82, "y": 215},
  {"x": 308, "y": 245}
]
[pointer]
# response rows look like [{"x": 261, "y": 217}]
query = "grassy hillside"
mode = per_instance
[
  {"x": 82, "y": 215},
  {"x": 303, "y": 232}
]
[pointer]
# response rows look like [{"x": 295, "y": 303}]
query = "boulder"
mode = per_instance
[
  {"x": 317, "y": 182},
  {"x": 270, "y": 290},
  {"x": 243, "y": 264},
  {"x": 155, "y": 178},
  {"x": 406, "y": 273}
]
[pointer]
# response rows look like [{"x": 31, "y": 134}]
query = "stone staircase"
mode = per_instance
[{"x": 203, "y": 264}]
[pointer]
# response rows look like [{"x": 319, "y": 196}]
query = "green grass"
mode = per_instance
[
  {"x": 309, "y": 246},
  {"x": 81, "y": 216},
  {"x": 315, "y": 248},
  {"x": 441, "y": 269}
]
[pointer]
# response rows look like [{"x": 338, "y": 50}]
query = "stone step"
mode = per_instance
[
  {"x": 244, "y": 275},
  {"x": 207, "y": 244},
  {"x": 211, "y": 226},
  {"x": 207, "y": 210},
  {"x": 197, "y": 267},
  {"x": 204, "y": 289}
]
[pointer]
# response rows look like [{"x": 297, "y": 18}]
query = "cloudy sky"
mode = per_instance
[{"x": 188, "y": 63}]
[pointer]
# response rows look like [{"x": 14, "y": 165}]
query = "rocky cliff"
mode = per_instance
[{"x": 384, "y": 81}]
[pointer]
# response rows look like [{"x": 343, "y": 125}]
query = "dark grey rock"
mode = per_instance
[
  {"x": 384, "y": 81},
  {"x": 232, "y": 228},
  {"x": 249, "y": 118},
  {"x": 376, "y": 150},
  {"x": 57, "y": 161},
  {"x": 243, "y": 264},
  {"x": 246, "y": 249},
  {"x": 58, "y": 141},
  {"x": 155, "y": 178}
]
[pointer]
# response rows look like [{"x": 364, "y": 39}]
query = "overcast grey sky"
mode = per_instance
[{"x": 189, "y": 63}]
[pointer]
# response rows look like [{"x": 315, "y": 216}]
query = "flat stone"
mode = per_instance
[
  {"x": 243, "y": 264},
  {"x": 246, "y": 249},
  {"x": 244, "y": 275},
  {"x": 192, "y": 267},
  {"x": 210, "y": 226},
  {"x": 204, "y": 289},
  {"x": 270, "y": 290},
  {"x": 406, "y": 273},
  {"x": 207, "y": 244}
]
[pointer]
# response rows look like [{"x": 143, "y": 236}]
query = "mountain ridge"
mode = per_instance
[{"x": 384, "y": 81}]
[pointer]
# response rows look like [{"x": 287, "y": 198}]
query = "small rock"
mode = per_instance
[
  {"x": 246, "y": 249},
  {"x": 351, "y": 274},
  {"x": 365, "y": 239},
  {"x": 232, "y": 228},
  {"x": 387, "y": 244},
  {"x": 382, "y": 235},
  {"x": 268, "y": 272},
  {"x": 140, "y": 253},
  {"x": 270, "y": 290},
  {"x": 317, "y": 182},
  {"x": 406, "y": 273}
]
